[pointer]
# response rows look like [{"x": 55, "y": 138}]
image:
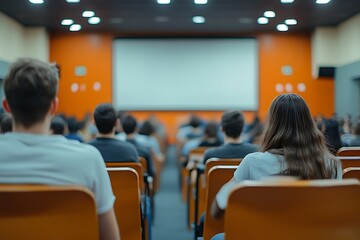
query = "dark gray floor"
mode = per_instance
[{"x": 170, "y": 219}]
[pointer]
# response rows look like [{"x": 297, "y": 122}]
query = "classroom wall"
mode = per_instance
[{"x": 94, "y": 51}]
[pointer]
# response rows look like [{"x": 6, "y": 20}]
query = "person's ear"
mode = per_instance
[
  {"x": 6, "y": 105},
  {"x": 54, "y": 106}
]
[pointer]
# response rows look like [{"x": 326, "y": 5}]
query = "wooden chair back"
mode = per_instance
[
  {"x": 136, "y": 166},
  {"x": 349, "y": 151},
  {"x": 47, "y": 212},
  {"x": 217, "y": 177},
  {"x": 351, "y": 172},
  {"x": 312, "y": 211},
  {"x": 125, "y": 185},
  {"x": 347, "y": 162},
  {"x": 143, "y": 163}
]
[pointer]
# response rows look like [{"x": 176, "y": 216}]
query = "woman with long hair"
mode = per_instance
[{"x": 291, "y": 145}]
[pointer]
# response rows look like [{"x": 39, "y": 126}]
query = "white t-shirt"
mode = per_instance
[{"x": 55, "y": 160}]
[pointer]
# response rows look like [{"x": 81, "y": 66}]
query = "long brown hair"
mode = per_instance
[{"x": 291, "y": 131}]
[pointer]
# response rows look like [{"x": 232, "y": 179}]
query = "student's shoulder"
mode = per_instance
[{"x": 257, "y": 156}]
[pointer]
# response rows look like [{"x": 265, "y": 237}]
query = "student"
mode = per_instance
[
  {"x": 354, "y": 140},
  {"x": 30, "y": 155},
  {"x": 112, "y": 149},
  {"x": 232, "y": 123},
  {"x": 58, "y": 126},
  {"x": 146, "y": 137},
  {"x": 292, "y": 145}
]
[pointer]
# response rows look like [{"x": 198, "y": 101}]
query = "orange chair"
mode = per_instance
[
  {"x": 125, "y": 185},
  {"x": 351, "y": 172},
  {"x": 312, "y": 210},
  {"x": 347, "y": 162},
  {"x": 47, "y": 212},
  {"x": 349, "y": 151},
  {"x": 217, "y": 177}
]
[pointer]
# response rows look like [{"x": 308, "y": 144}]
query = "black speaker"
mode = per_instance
[{"x": 328, "y": 72}]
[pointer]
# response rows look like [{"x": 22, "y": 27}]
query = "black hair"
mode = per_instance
[
  {"x": 105, "y": 118},
  {"x": 129, "y": 124},
  {"x": 232, "y": 123}
]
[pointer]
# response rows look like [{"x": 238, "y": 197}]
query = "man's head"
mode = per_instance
[
  {"x": 129, "y": 124},
  {"x": 30, "y": 89},
  {"x": 58, "y": 126},
  {"x": 105, "y": 118},
  {"x": 232, "y": 123}
]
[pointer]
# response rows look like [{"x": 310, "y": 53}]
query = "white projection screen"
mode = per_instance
[{"x": 185, "y": 74}]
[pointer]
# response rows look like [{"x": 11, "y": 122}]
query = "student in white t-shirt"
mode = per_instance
[{"x": 30, "y": 155}]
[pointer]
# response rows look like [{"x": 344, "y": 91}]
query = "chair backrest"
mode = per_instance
[
  {"x": 294, "y": 211},
  {"x": 217, "y": 177},
  {"x": 351, "y": 172},
  {"x": 197, "y": 154},
  {"x": 125, "y": 185},
  {"x": 47, "y": 212},
  {"x": 349, "y": 151},
  {"x": 143, "y": 163},
  {"x": 347, "y": 162},
  {"x": 136, "y": 166}
]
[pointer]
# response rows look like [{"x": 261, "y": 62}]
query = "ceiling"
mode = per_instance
[{"x": 149, "y": 17}]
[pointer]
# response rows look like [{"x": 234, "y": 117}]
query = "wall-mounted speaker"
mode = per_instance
[{"x": 327, "y": 72}]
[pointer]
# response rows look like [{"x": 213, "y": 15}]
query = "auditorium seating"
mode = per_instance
[
  {"x": 349, "y": 151},
  {"x": 125, "y": 185},
  {"x": 47, "y": 212},
  {"x": 351, "y": 172},
  {"x": 347, "y": 162},
  {"x": 217, "y": 177},
  {"x": 312, "y": 210}
]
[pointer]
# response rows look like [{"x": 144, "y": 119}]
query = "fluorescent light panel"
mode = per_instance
[
  {"x": 37, "y": 1},
  {"x": 322, "y": 1},
  {"x": 163, "y": 1},
  {"x": 75, "y": 27},
  {"x": 88, "y": 14},
  {"x": 282, "y": 27},
  {"x": 287, "y": 1},
  {"x": 67, "y": 22},
  {"x": 94, "y": 20},
  {"x": 263, "y": 20},
  {"x": 200, "y": 1},
  {"x": 290, "y": 22},
  {"x": 269, "y": 14},
  {"x": 198, "y": 19},
  {"x": 72, "y": 1}
]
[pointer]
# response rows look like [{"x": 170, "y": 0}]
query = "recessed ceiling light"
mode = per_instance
[
  {"x": 67, "y": 22},
  {"x": 200, "y": 1},
  {"x": 72, "y": 1},
  {"x": 322, "y": 1},
  {"x": 163, "y": 1},
  {"x": 75, "y": 27},
  {"x": 37, "y": 1},
  {"x": 88, "y": 14},
  {"x": 94, "y": 20},
  {"x": 198, "y": 19},
  {"x": 282, "y": 27},
  {"x": 269, "y": 14},
  {"x": 290, "y": 22},
  {"x": 263, "y": 20},
  {"x": 287, "y": 1}
]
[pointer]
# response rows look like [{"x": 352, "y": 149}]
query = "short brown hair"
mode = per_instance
[{"x": 29, "y": 88}]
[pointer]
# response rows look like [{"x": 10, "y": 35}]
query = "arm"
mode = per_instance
[
  {"x": 108, "y": 226},
  {"x": 216, "y": 211},
  {"x": 220, "y": 201}
]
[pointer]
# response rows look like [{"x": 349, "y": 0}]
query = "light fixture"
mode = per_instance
[
  {"x": 163, "y": 1},
  {"x": 75, "y": 27},
  {"x": 72, "y": 1},
  {"x": 37, "y": 1},
  {"x": 282, "y": 27},
  {"x": 287, "y": 1},
  {"x": 67, "y": 22},
  {"x": 263, "y": 20},
  {"x": 322, "y": 1},
  {"x": 198, "y": 19},
  {"x": 88, "y": 14},
  {"x": 269, "y": 14},
  {"x": 200, "y": 1},
  {"x": 94, "y": 20},
  {"x": 290, "y": 22}
]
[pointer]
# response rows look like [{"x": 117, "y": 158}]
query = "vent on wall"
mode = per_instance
[{"x": 327, "y": 72}]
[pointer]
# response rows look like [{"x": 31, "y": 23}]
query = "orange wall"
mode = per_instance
[{"x": 95, "y": 52}]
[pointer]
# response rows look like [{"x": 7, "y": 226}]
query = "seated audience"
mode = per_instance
[
  {"x": 73, "y": 126},
  {"x": 192, "y": 130},
  {"x": 30, "y": 155},
  {"x": 292, "y": 145},
  {"x": 58, "y": 126},
  {"x": 332, "y": 135},
  {"x": 232, "y": 123},
  {"x": 129, "y": 125},
  {"x": 112, "y": 149},
  {"x": 354, "y": 141},
  {"x": 6, "y": 123},
  {"x": 146, "y": 137}
]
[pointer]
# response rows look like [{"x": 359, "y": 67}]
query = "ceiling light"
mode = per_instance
[
  {"x": 282, "y": 27},
  {"x": 72, "y": 1},
  {"x": 290, "y": 22},
  {"x": 75, "y": 27},
  {"x": 94, "y": 20},
  {"x": 322, "y": 1},
  {"x": 263, "y": 20},
  {"x": 200, "y": 1},
  {"x": 67, "y": 22},
  {"x": 88, "y": 14},
  {"x": 287, "y": 1},
  {"x": 37, "y": 1},
  {"x": 163, "y": 1},
  {"x": 269, "y": 14},
  {"x": 198, "y": 19}
]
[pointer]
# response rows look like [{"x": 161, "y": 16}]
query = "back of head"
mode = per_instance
[
  {"x": 211, "y": 129},
  {"x": 232, "y": 123},
  {"x": 30, "y": 87},
  {"x": 58, "y": 125},
  {"x": 73, "y": 124},
  {"x": 6, "y": 123},
  {"x": 291, "y": 131},
  {"x": 129, "y": 124},
  {"x": 195, "y": 121},
  {"x": 105, "y": 118},
  {"x": 147, "y": 128}
]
